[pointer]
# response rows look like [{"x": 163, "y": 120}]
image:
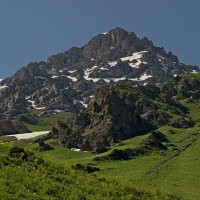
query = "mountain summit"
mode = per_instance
[{"x": 67, "y": 81}]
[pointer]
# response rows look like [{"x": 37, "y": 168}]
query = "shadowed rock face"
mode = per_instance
[
  {"x": 66, "y": 81},
  {"x": 111, "y": 117},
  {"x": 6, "y": 127},
  {"x": 9, "y": 127},
  {"x": 112, "y": 45},
  {"x": 119, "y": 112}
]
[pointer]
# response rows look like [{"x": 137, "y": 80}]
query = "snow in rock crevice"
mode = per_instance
[
  {"x": 104, "y": 69},
  {"x": 145, "y": 76},
  {"x": 72, "y": 71},
  {"x": 135, "y": 56},
  {"x": 88, "y": 71},
  {"x": 34, "y": 105},
  {"x": 54, "y": 77},
  {"x": 74, "y": 79},
  {"x": 112, "y": 63},
  {"x": 84, "y": 104},
  {"x": 3, "y": 87}
]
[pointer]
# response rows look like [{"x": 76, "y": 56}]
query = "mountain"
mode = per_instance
[
  {"x": 119, "y": 112},
  {"x": 68, "y": 80}
]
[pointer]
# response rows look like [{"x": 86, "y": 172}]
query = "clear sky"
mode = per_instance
[{"x": 32, "y": 30}]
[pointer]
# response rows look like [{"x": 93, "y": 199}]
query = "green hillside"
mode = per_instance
[
  {"x": 165, "y": 159},
  {"x": 25, "y": 176}
]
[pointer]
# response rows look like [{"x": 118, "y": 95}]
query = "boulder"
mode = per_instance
[
  {"x": 181, "y": 123},
  {"x": 7, "y": 127},
  {"x": 44, "y": 147},
  {"x": 86, "y": 168}
]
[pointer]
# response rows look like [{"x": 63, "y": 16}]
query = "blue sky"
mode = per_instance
[{"x": 32, "y": 30}]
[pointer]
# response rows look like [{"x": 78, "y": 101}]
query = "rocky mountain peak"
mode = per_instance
[
  {"x": 115, "y": 43},
  {"x": 67, "y": 80}
]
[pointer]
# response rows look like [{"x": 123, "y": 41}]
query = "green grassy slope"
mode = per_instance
[
  {"x": 175, "y": 170},
  {"x": 24, "y": 176},
  {"x": 179, "y": 175},
  {"x": 46, "y": 123}
]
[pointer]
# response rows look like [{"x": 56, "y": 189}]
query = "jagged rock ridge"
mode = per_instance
[{"x": 67, "y": 81}]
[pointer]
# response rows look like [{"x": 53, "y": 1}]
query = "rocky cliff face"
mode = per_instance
[
  {"x": 67, "y": 81},
  {"x": 120, "y": 112},
  {"x": 6, "y": 127}
]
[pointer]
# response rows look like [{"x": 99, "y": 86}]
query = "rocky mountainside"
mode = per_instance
[
  {"x": 68, "y": 80},
  {"x": 119, "y": 112}
]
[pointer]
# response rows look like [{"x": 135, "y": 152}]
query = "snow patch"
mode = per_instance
[
  {"x": 105, "y": 33},
  {"x": 134, "y": 65},
  {"x": 34, "y": 106},
  {"x": 72, "y": 71},
  {"x": 54, "y": 77},
  {"x": 88, "y": 71},
  {"x": 84, "y": 104},
  {"x": 194, "y": 71},
  {"x": 91, "y": 69},
  {"x": 3, "y": 87},
  {"x": 137, "y": 64},
  {"x": 144, "y": 77},
  {"x": 27, "y": 97},
  {"x": 107, "y": 80},
  {"x": 135, "y": 56},
  {"x": 75, "y": 149},
  {"x": 58, "y": 111},
  {"x": 103, "y": 68},
  {"x": 28, "y": 135},
  {"x": 112, "y": 63},
  {"x": 74, "y": 79}
]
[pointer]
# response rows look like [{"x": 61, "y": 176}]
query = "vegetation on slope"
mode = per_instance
[
  {"x": 174, "y": 169},
  {"x": 25, "y": 176}
]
